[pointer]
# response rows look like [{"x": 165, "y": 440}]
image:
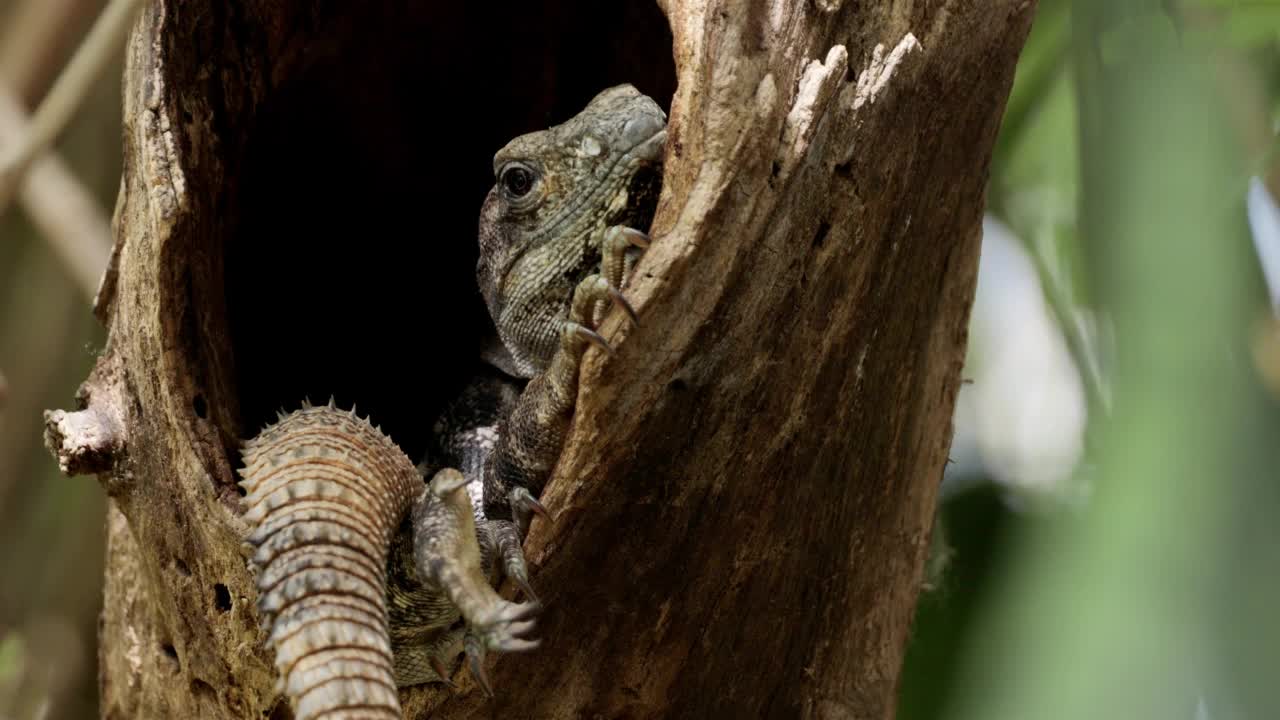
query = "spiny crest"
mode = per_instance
[{"x": 308, "y": 415}]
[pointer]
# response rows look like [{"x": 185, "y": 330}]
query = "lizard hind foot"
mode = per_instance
[{"x": 448, "y": 555}]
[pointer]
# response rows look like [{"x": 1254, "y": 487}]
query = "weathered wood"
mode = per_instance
[{"x": 745, "y": 505}]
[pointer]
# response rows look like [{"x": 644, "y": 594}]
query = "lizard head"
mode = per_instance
[{"x": 554, "y": 194}]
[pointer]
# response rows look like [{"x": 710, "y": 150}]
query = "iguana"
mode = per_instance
[{"x": 370, "y": 579}]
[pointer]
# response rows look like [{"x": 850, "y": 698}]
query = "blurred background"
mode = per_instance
[
  {"x": 1108, "y": 542},
  {"x": 51, "y": 527}
]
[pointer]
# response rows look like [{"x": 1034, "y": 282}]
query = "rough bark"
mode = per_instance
[{"x": 745, "y": 504}]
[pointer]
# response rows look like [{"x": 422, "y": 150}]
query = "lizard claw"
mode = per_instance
[
  {"x": 477, "y": 644},
  {"x": 475, "y": 660},
  {"x": 621, "y": 301},
  {"x": 620, "y": 233},
  {"x": 614, "y": 261},
  {"x": 522, "y": 501},
  {"x": 513, "y": 638},
  {"x": 595, "y": 338},
  {"x": 511, "y": 615},
  {"x": 437, "y": 664},
  {"x": 522, "y": 582},
  {"x": 501, "y": 540},
  {"x": 444, "y": 484},
  {"x": 587, "y": 310},
  {"x": 636, "y": 237}
]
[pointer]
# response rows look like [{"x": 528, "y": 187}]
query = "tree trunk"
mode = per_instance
[{"x": 745, "y": 503}]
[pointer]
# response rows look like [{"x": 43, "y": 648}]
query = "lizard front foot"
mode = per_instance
[{"x": 618, "y": 244}]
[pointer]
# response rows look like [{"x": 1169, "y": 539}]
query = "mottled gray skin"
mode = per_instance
[
  {"x": 333, "y": 502},
  {"x": 536, "y": 248},
  {"x": 545, "y": 252}
]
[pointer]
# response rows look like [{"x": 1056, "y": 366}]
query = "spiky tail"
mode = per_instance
[{"x": 326, "y": 490}]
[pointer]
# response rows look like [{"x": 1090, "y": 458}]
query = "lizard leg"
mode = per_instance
[
  {"x": 528, "y": 449},
  {"x": 448, "y": 556},
  {"x": 530, "y": 444}
]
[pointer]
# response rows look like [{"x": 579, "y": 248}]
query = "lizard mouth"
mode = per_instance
[
  {"x": 646, "y": 183},
  {"x": 642, "y": 196}
]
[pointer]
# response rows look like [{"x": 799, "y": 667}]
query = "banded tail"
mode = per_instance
[{"x": 326, "y": 490}]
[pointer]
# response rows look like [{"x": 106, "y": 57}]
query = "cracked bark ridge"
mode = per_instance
[{"x": 745, "y": 502}]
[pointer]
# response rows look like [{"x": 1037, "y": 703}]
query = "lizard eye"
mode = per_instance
[{"x": 517, "y": 180}]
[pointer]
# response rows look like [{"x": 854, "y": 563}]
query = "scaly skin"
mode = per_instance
[
  {"x": 364, "y": 572},
  {"x": 325, "y": 492},
  {"x": 592, "y": 173}
]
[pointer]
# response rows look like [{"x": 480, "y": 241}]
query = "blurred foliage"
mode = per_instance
[
  {"x": 51, "y": 527},
  {"x": 1123, "y": 162}
]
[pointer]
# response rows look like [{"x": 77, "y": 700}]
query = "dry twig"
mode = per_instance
[
  {"x": 61, "y": 208},
  {"x": 103, "y": 41}
]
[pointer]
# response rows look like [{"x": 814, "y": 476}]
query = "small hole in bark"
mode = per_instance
[
  {"x": 203, "y": 690},
  {"x": 171, "y": 653},
  {"x": 200, "y": 406},
  {"x": 181, "y": 566},
  {"x": 845, "y": 170},
  {"x": 280, "y": 711},
  {"x": 777, "y": 168},
  {"x": 820, "y": 237},
  {"x": 678, "y": 385},
  {"x": 221, "y": 597}
]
